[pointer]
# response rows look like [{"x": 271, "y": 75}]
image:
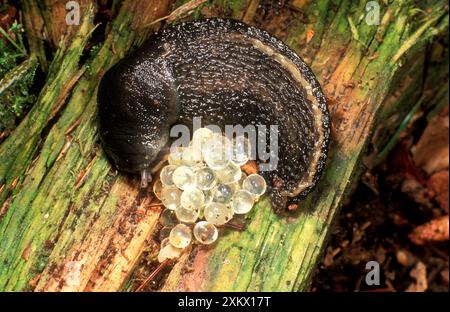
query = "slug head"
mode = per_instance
[{"x": 137, "y": 104}]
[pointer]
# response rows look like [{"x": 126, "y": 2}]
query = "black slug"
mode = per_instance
[{"x": 228, "y": 73}]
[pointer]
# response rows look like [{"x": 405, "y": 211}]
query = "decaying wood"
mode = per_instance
[
  {"x": 106, "y": 200},
  {"x": 54, "y": 14},
  {"x": 59, "y": 234}
]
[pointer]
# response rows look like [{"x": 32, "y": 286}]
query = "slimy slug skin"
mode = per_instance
[{"x": 227, "y": 73}]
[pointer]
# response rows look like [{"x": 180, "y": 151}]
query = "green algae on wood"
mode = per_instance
[{"x": 55, "y": 223}]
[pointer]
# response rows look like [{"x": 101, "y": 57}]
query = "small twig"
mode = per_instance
[
  {"x": 65, "y": 91},
  {"x": 234, "y": 226},
  {"x": 185, "y": 9},
  {"x": 17, "y": 73},
  {"x": 83, "y": 174},
  {"x": 80, "y": 145},
  {"x": 72, "y": 126},
  {"x": 159, "y": 204},
  {"x": 14, "y": 183},
  {"x": 161, "y": 266},
  {"x": 4, "y": 134},
  {"x": 65, "y": 147},
  {"x": 7, "y": 36},
  {"x": 251, "y": 11}
]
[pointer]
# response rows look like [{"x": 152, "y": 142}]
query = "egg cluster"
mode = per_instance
[{"x": 203, "y": 187}]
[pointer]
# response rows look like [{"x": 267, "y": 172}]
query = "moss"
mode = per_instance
[
  {"x": 17, "y": 97},
  {"x": 16, "y": 77},
  {"x": 8, "y": 58}
]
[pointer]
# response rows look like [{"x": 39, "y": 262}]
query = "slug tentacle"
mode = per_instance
[
  {"x": 228, "y": 73},
  {"x": 145, "y": 178}
]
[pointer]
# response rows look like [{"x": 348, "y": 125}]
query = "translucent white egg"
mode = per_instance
[
  {"x": 183, "y": 177},
  {"x": 157, "y": 188},
  {"x": 192, "y": 198},
  {"x": 200, "y": 136},
  {"x": 218, "y": 213},
  {"x": 230, "y": 174},
  {"x": 205, "y": 178},
  {"x": 168, "y": 251},
  {"x": 168, "y": 218},
  {"x": 191, "y": 157},
  {"x": 199, "y": 165},
  {"x": 208, "y": 196},
  {"x": 180, "y": 236},
  {"x": 187, "y": 215},
  {"x": 241, "y": 150},
  {"x": 199, "y": 139},
  {"x": 223, "y": 193},
  {"x": 205, "y": 232},
  {"x": 170, "y": 197},
  {"x": 164, "y": 243},
  {"x": 166, "y": 175},
  {"x": 241, "y": 180},
  {"x": 242, "y": 202},
  {"x": 176, "y": 156},
  {"x": 255, "y": 184},
  {"x": 217, "y": 152}
]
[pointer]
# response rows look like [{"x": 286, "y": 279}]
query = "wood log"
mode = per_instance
[{"x": 69, "y": 222}]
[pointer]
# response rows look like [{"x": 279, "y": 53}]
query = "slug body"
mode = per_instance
[{"x": 228, "y": 73}]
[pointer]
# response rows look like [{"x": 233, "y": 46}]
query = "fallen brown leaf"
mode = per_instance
[
  {"x": 404, "y": 257},
  {"x": 415, "y": 191},
  {"x": 438, "y": 187},
  {"x": 309, "y": 35},
  {"x": 434, "y": 231},
  {"x": 419, "y": 273},
  {"x": 250, "y": 167},
  {"x": 431, "y": 152}
]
